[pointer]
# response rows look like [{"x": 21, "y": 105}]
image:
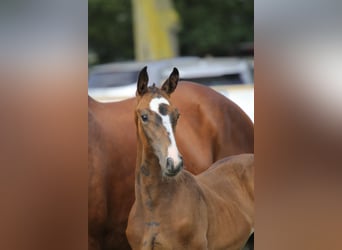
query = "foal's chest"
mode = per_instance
[
  {"x": 150, "y": 242},
  {"x": 154, "y": 240}
]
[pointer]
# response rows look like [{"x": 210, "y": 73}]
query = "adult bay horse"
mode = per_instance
[
  {"x": 212, "y": 127},
  {"x": 174, "y": 209}
]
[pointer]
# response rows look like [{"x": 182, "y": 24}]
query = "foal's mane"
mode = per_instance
[{"x": 153, "y": 89}]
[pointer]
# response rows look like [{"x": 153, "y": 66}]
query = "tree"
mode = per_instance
[
  {"x": 110, "y": 33},
  {"x": 215, "y": 27},
  {"x": 208, "y": 27}
]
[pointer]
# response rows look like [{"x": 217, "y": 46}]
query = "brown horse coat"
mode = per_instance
[
  {"x": 174, "y": 209},
  {"x": 211, "y": 128},
  {"x": 213, "y": 210}
]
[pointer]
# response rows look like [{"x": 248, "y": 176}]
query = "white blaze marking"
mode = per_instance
[{"x": 172, "y": 150}]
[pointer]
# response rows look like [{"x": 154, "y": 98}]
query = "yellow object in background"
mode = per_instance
[{"x": 155, "y": 25}]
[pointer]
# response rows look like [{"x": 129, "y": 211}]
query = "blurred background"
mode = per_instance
[{"x": 210, "y": 42}]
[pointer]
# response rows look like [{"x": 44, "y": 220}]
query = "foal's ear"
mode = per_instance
[
  {"x": 171, "y": 83},
  {"x": 142, "y": 82}
]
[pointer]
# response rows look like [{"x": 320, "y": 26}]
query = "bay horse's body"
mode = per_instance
[
  {"x": 174, "y": 209},
  {"x": 211, "y": 128}
]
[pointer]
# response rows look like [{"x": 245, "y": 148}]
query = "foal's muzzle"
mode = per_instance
[{"x": 171, "y": 168}]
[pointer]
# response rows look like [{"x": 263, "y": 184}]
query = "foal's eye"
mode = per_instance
[
  {"x": 177, "y": 114},
  {"x": 144, "y": 118}
]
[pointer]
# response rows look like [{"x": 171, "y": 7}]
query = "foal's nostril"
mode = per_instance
[
  {"x": 170, "y": 164},
  {"x": 180, "y": 165}
]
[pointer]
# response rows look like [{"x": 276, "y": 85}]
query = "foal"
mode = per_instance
[{"x": 174, "y": 209}]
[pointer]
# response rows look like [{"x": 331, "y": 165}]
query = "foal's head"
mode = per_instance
[{"x": 156, "y": 120}]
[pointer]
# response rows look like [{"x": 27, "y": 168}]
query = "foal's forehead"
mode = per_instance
[
  {"x": 157, "y": 102},
  {"x": 153, "y": 101}
]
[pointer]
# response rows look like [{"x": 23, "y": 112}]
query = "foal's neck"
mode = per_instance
[
  {"x": 149, "y": 183},
  {"x": 148, "y": 169}
]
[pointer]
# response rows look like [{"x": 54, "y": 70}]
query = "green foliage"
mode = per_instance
[
  {"x": 215, "y": 27},
  {"x": 208, "y": 27},
  {"x": 110, "y": 31}
]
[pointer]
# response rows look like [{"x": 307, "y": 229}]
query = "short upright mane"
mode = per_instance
[{"x": 153, "y": 89}]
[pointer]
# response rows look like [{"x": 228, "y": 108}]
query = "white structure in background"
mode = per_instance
[{"x": 230, "y": 76}]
